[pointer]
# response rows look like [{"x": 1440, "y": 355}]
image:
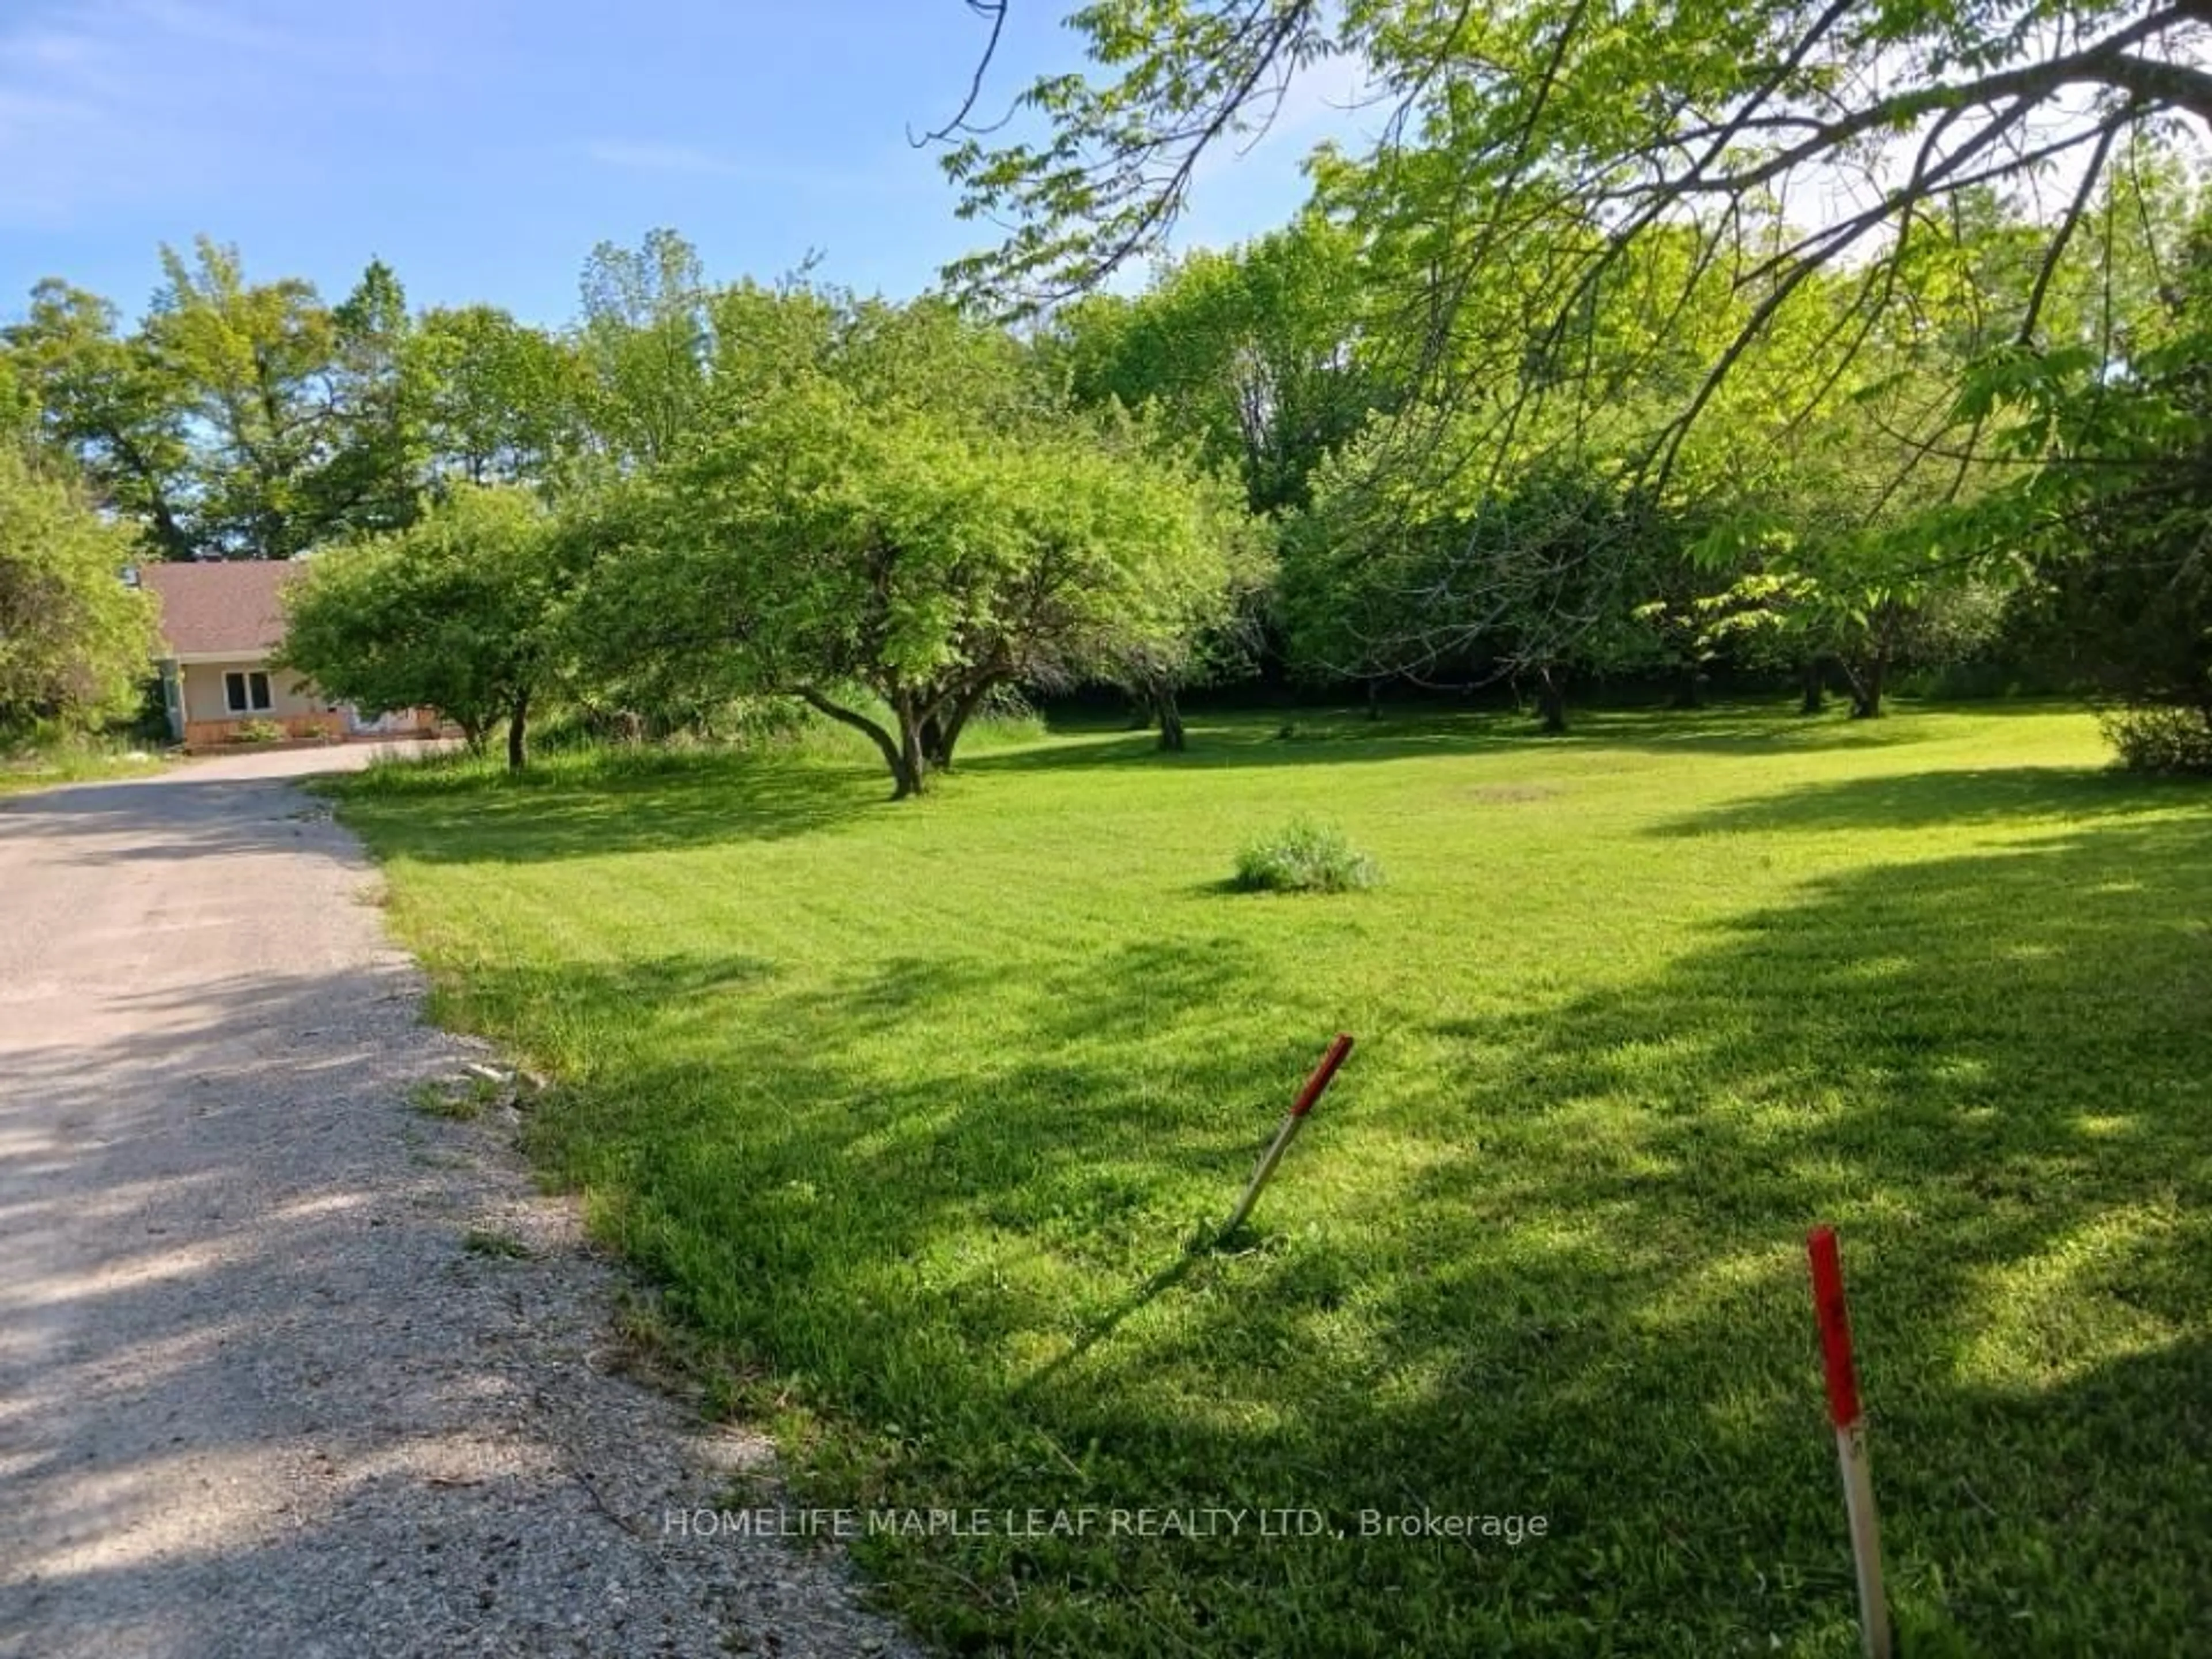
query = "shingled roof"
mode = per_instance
[{"x": 220, "y": 608}]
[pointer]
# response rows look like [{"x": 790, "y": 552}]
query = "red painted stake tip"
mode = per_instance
[
  {"x": 1835, "y": 1326},
  {"x": 1322, "y": 1074}
]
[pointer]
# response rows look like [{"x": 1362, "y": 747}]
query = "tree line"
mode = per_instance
[
  {"x": 1818, "y": 333},
  {"x": 1552, "y": 386},
  {"x": 700, "y": 494}
]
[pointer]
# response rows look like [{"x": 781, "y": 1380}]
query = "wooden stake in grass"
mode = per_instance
[
  {"x": 1850, "y": 1438},
  {"x": 1291, "y": 1125}
]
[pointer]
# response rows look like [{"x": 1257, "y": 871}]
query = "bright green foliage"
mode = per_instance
[
  {"x": 115, "y": 407},
  {"x": 75, "y": 642},
  {"x": 1253, "y": 353},
  {"x": 2108, "y": 428},
  {"x": 1304, "y": 857},
  {"x": 18, "y": 402},
  {"x": 1683, "y": 240},
  {"x": 505, "y": 401},
  {"x": 1840, "y": 547},
  {"x": 2121, "y": 594},
  {"x": 250, "y": 359},
  {"x": 909, "y": 518},
  {"x": 644, "y": 344},
  {"x": 916, "y": 1144},
  {"x": 459, "y": 612},
  {"x": 370, "y": 479},
  {"x": 1108, "y": 180},
  {"x": 1590, "y": 126},
  {"x": 1413, "y": 564},
  {"x": 1505, "y": 527},
  {"x": 249, "y": 420}
]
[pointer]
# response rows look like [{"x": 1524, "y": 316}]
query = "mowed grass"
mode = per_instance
[{"x": 918, "y": 1109}]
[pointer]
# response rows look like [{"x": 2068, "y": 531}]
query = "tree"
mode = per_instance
[
  {"x": 19, "y": 402},
  {"x": 908, "y": 519},
  {"x": 504, "y": 401},
  {"x": 239, "y": 419},
  {"x": 110, "y": 404},
  {"x": 460, "y": 612},
  {"x": 1220, "y": 630},
  {"x": 380, "y": 395},
  {"x": 646, "y": 341},
  {"x": 1528, "y": 152},
  {"x": 76, "y": 641},
  {"x": 2114, "y": 535},
  {"x": 252, "y": 362},
  {"x": 1253, "y": 354},
  {"x": 1433, "y": 575}
]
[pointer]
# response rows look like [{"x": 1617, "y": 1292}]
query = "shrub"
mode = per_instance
[
  {"x": 1304, "y": 857},
  {"x": 258, "y": 731},
  {"x": 2160, "y": 736}
]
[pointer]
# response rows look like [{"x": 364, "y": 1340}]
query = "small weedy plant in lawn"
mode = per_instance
[
  {"x": 489, "y": 1242},
  {"x": 1304, "y": 857},
  {"x": 461, "y": 1099}
]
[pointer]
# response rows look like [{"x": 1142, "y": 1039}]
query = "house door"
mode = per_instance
[{"x": 365, "y": 724}]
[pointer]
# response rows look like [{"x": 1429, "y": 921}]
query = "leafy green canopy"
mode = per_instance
[
  {"x": 458, "y": 612},
  {"x": 1525, "y": 151},
  {"x": 903, "y": 511},
  {"x": 242, "y": 419},
  {"x": 1255, "y": 354},
  {"x": 75, "y": 640},
  {"x": 1754, "y": 266},
  {"x": 2114, "y": 535}
]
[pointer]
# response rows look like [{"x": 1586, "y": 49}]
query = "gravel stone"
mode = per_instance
[{"x": 258, "y": 1396}]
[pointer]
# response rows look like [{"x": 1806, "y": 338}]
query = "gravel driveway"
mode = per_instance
[{"x": 287, "y": 1367}]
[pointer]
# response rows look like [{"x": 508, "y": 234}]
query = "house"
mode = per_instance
[{"x": 221, "y": 623}]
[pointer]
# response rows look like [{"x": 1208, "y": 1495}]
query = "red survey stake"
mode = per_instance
[
  {"x": 1851, "y": 1437},
  {"x": 1292, "y": 1124}
]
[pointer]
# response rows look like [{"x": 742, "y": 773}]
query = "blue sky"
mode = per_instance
[{"x": 482, "y": 146}]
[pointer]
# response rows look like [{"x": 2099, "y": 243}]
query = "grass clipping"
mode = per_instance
[{"x": 1304, "y": 857}]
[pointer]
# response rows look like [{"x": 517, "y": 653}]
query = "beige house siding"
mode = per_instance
[
  {"x": 209, "y": 718},
  {"x": 203, "y": 693}
]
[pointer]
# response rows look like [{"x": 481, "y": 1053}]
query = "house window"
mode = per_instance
[{"x": 246, "y": 693}]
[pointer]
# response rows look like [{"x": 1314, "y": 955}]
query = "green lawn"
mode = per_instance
[
  {"x": 45, "y": 769},
  {"x": 916, "y": 1111}
]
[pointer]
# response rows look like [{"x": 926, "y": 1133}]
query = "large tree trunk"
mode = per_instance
[
  {"x": 517, "y": 733},
  {"x": 906, "y": 778},
  {"x": 1168, "y": 713},
  {"x": 941, "y": 730},
  {"x": 1812, "y": 684},
  {"x": 1689, "y": 687},
  {"x": 912, "y": 766},
  {"x": 1867, "y": 679},
  {"x": 1552, "y": 699},
  {"x": 1374, "y": 699}
]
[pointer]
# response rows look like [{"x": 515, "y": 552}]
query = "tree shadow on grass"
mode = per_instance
[
  {"x": 442, "y": 815},
  {"x": 448, "y": 813},
  {"x": 1328, "y": 737},
  {"x": 1561, "y": 1274},
  {"x": 1995, "y": 1073},
  {"x": 1917, "y": 800}
]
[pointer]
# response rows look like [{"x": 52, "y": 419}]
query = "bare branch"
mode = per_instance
[{"x": 995, "y": 10}]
